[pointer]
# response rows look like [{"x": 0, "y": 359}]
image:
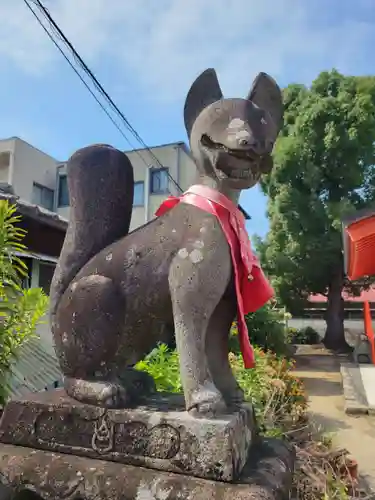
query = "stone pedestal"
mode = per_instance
[
  {"x": 267, "y": 475},
  {"x": 157, "y": 435}
]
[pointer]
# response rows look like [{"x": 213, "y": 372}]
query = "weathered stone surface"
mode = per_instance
[
  {"x": 267, "y": 475},
  {"x": 115, "y": 295},
  {"x": 159, "y": 435}
]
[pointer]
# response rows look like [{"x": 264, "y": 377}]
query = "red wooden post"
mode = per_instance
[{"x": 369, "y": 331}]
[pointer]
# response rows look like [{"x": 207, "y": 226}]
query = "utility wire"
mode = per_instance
[
  {"x": 79, "y": 76},
  {"x": 96, "y": 83},
  {"x": 98, "y": 86}
]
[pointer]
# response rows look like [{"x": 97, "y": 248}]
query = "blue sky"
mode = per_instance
[{"x": 147, "y": 52}]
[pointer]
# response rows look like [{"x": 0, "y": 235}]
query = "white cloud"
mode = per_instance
[{"x": 162, "y": 45}]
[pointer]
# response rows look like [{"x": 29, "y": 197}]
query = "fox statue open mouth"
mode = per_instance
[
  {"x": 185, "y": 274},
  {"x": 246, "y": 162}
]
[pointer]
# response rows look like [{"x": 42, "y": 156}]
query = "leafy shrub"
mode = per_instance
[
  {"x": 267, "y": 329},
  {"x": 163, "y": 365},
  {"x": 307, "y": 335},
  {"x": 20, "y": 310},
  {"x": 277, "y": 396}
]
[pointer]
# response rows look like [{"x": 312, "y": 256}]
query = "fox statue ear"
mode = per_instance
[
  {"x": 204, "y": 91},
  {"x": 266, "y": 94}
]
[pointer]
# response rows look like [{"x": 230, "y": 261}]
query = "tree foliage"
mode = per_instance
[
  {"x": 20, "y": 309},
  {"x": 324, "y": 169}
]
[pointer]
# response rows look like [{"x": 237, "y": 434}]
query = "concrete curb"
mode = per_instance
[
  {"x": 368, "y": 379},
  {"x": 354, "y": 392}
]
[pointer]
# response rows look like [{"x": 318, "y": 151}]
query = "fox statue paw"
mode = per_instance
[
  {"x": 207, "y": 402},
  {"x": 123, "y": 392}
]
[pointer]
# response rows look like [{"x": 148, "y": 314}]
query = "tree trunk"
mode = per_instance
[{"x": 334, "y": 338}]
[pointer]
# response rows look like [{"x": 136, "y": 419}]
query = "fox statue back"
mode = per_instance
[{"x": 116, "y": 294}]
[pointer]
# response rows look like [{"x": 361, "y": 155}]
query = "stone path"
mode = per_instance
[{"x": 320, "y": 372}]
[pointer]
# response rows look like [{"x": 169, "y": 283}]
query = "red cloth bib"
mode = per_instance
[{"x": 253, "y": 289}]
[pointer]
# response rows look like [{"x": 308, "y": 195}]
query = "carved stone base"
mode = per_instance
[
  {"x": 267, "y": 475},
  {"x": 158, "y": 435}
]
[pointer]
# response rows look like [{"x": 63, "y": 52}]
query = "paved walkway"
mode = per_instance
[{"x": 320, "y": 372}]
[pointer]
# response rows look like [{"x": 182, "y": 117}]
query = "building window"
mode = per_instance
[
  {"x": 63, "y": 198},
  {"x": 139, "y": 194},
  {"x": 45, "y": 276},
  {"x": 43, "y": 196},
  {"x": 159, "y": 181},
  {"x": 4, "y": 167}
]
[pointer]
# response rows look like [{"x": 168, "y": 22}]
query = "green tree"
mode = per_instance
[
  {"x": 324, "y": 168},
  {"x": 20, "y": 309}
]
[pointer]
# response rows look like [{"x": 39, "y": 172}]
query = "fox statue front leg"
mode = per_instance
[
  {"x": 217, "y": 348},
  {"x": 191, "y": 277}
]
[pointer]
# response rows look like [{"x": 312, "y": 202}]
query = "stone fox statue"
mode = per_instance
[{"x": 116, "y": 294}]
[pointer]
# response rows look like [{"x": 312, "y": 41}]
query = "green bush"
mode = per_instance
[
  {"x": 163, "y": 365},
  {"x": 267, "y": 329},
  {"x": 277, "y": 396},
  {"x": 307, "y": 335},
  {"x": 20, "y": 310}
]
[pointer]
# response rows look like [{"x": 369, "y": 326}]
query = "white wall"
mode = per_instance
[
  {"x": 188, "y": 170},
  {"x": 63, "y": 212},
  {"x": 142, "y": 162},
  {"x": 181, "y": 168},
  {"x": 6, "y": 146},
  {"x": 31, "y": 165}
]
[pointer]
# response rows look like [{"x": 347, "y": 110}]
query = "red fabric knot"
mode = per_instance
[{"x": 253, "y": 289}]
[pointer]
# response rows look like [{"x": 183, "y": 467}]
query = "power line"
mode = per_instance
[
  {"x": 79, "y": 76},
  {"x": 97, "y": 84},
  {"x": 95, "y": 81}
]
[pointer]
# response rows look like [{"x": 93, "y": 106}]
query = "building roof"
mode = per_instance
[
  {"x": 36, "y": 369},
  {"x": 16, "y": 138},
  {"x": 36, "y": 212},
  {"x": 167, "y": 145}
]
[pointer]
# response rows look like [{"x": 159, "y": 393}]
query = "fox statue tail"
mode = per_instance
[{"x": 101, "y": 188}]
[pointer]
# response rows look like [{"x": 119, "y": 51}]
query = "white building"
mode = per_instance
[
  {"x": 153, "y": 183},
  {"x": 30, "y": 175},
  {"x": 30, "y": 172}
]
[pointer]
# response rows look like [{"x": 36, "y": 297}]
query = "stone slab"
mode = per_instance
[
  {"x": 354, "y": 393},
  {"x": 368, "y": 381},
  {"x": 267, "y": 475},
  {"x": 362, "y": 350},
  {"x": 158, "y": 435}
]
